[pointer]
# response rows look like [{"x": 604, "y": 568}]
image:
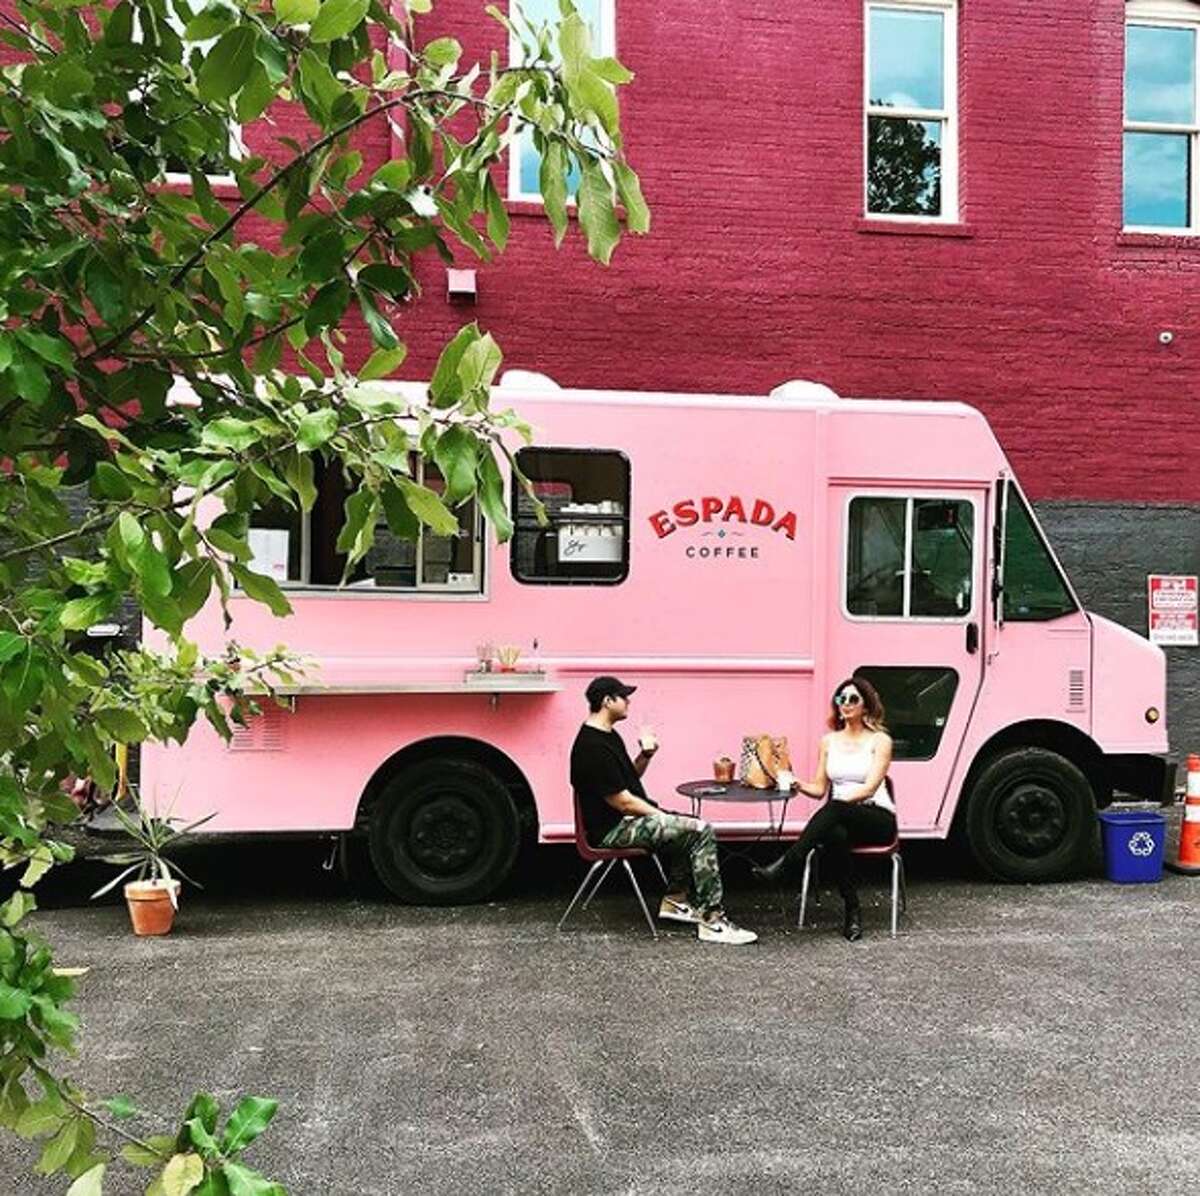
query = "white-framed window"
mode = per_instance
[
  {"x": 236, "y": 147},
  {"x": 910, "y": 136},
  {"x": 300, "y": 552},
  {"x": 1160, "y": 192},
  {"x": 910, "y": 556},
  {"x": 524, "y": 161}
]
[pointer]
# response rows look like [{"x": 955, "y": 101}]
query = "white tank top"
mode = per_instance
[{"x": 847, "y": 766}]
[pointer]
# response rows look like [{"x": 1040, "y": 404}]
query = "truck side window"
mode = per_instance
[
  {"x": 910, "y": 557},
  {"x": 1034, "y": 589},
  {"x": 302, "y": 551},
  {"x": 585, "y": 494},
  {"x": 916, "y": 704}
]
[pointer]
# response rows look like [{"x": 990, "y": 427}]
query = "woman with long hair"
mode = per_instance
[{"x": 852, "y": 771}]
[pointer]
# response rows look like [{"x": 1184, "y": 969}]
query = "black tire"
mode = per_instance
[
  {"x": 444, "y": 832},
  {"x": 1031, "y": 816}
]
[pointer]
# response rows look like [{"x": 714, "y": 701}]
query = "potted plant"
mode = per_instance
[{"x": 153, "y": 895}]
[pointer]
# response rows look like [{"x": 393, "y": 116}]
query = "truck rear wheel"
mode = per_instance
[
  {"x": 1031, "y": 816},
  {"x": 444, "y": 832}
]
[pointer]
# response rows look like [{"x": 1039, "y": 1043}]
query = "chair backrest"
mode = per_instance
[{"x": 585, "y": 849}]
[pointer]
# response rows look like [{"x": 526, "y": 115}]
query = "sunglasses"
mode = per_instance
[{"x": 848, "y": 699}]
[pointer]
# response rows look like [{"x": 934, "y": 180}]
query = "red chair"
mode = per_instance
[
  {"x": 892, "y": 849},
  {"x": 606, "y": 857}
]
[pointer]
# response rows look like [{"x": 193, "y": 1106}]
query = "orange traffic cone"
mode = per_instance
[{"x": 1189, "y": 828}]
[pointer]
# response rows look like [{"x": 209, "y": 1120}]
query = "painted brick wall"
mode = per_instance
[{"x": 745, "y": 122}]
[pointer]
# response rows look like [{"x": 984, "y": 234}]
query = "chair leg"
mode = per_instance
[
  {"x": 596, "y": 888},
  {"x": 809, "y": 867},
  {"x": 641, "y": 899},
  {"x": 903, "y": 885},
  {"x": 895, "y": 891},
  {"x": 661, "y": 871},
  {"x": 578, "y": 891}
]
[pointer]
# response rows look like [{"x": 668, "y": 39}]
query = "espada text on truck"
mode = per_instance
[{"x": 735, "y": 558}]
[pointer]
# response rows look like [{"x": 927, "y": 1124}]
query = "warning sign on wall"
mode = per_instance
[{"x": 1173, "y": 610}]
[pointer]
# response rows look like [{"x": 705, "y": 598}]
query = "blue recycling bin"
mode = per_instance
[{"x": 1133, "y": 845}]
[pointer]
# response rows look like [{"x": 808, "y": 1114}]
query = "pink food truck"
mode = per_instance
[{"x": 734, "y": 558}]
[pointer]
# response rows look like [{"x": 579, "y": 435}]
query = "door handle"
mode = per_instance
[{"x": 972, "y": 638}]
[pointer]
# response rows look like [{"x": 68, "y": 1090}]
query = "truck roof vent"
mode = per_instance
[
  {"x": 527, "y": 380},
  {"x": 800, "y": 389}
]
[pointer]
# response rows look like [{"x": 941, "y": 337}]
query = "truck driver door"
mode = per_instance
[{"x": 909, "y": 617}]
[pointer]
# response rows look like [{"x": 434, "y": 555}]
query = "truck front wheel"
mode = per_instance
[
  {"x": 444, "y": 832},
  {"x": 1031, "y": 816}
]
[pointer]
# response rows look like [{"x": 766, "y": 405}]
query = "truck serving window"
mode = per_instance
[
  {"x": 1034, "y": 588},
  {"x": 910, "y": 557},
  {"x": 585, "y": 541},
  {"x": 302, "y": 552},
  {"x": 916, "y": 704}
]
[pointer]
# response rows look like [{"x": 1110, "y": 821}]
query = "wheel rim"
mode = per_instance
[
  {"x": 1031, "y": 819},
  {"x": 445, "y": 835}
]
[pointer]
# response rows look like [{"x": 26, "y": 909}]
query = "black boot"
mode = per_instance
[
  {"x": 852, "y": 925},
  {"x": 776, "y": 872}
]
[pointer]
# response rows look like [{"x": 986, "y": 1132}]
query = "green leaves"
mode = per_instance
[
  {"x": 14, "y": 1002},
  {"x": 90, "y": 1183},
  {"x": 597, "y": 215},
  {"x": 336, "y": 19},
  {"x": 182, "y": 1174},
  {"x": 382, "y": 362},
  {"x": 261, "y": 589},
  {"x": 247, "y": 1122},
  {"x": 228, "y": 64},
  {"x": 315, "y": 429},
  {"x": 123, "y": 725},
  {"x": 296, "y": 12},
  {"x": 182, "y": 360}
]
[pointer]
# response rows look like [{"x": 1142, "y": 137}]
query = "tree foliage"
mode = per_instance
[{"x": 179, "y": 353}]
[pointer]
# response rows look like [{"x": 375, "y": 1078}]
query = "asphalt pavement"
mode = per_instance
[{"x": 1013, "y": 1039}]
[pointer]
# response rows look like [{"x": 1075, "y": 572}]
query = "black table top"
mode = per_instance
[{"x": 729, "y": 791}]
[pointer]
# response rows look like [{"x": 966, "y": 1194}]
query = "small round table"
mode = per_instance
[{"x": 698, "y": 792}]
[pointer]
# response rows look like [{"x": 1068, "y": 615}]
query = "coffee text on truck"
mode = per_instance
[{"x": 710, "y": 509}]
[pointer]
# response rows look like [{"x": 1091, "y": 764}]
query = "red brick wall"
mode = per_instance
[{"x": 745, "y": 123}]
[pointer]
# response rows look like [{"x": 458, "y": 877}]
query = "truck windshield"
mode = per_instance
[{"x": 1034, "y": 587}]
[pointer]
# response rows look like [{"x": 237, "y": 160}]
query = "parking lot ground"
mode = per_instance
[{"x": 1013, "y": 1039}]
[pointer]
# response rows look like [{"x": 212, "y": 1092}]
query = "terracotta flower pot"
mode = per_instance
[{"x": 151, "y": 909}]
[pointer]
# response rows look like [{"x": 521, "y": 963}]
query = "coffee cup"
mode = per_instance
[
  {"x": 648, "y": 741},
  {"x": 784, "y": 780}
]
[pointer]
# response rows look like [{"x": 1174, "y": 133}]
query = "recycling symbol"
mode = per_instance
[{"x": 1142, "y": 843}]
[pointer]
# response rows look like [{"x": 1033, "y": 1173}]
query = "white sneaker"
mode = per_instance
[
  {"x": 671, "y": 910},
  {"x": 722, "y": 930}
]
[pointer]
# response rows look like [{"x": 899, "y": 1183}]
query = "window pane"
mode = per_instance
[
  {"x": 531, "y": 166},
  {"x": 1160, "y": 74},
  {"x": 448, "y": 560},
  {"x": 1033, "y": 587},
  {"x": 1157, "y": 169},
  {"x": 904, "y": 172},
  {"x": 943, "y": 532},
  {"x": 906, "y": 59},
  {"x": 586, "y": 498},
  {"x": 274, "y": 539},
  {"x": 916, "y": 705},
  {"x": 542, "y": 12},
  {"x": 875, "y": 557}
]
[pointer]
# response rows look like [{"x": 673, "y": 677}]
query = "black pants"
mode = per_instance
[{"x": 835, "y": 828}]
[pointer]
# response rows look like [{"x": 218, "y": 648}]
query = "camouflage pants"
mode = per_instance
[{"x": 690, "y": 846}]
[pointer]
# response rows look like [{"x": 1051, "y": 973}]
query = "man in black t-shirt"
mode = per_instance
[{"x": 618, "y": 813}]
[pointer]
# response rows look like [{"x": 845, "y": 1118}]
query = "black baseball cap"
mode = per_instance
[{"x": 600, "y": 688}]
